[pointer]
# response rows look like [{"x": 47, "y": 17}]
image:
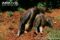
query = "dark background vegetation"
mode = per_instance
[{"x": 29, "y": 3}]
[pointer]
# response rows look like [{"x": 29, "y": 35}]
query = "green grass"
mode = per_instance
[
  {"x": 10, "y": 13},
  {"x": 58, "y": 17},
  {"x": 0, "y": 13},
  {"x": 21, "y": 10},
  {"x": 53, "y": 34}
]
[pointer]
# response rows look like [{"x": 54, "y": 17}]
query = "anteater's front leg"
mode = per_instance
[{"x": 22, "y": 24}]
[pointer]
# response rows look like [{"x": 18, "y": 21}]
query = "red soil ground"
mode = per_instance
[{"x": 9, "y": 26}]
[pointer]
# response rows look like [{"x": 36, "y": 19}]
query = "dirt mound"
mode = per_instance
[{"x": 26, "y": 36}]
